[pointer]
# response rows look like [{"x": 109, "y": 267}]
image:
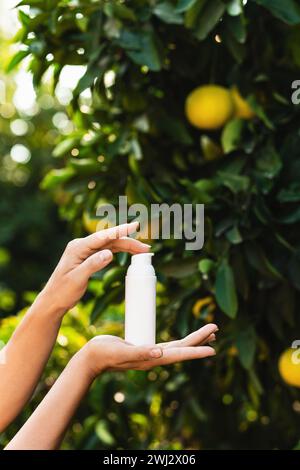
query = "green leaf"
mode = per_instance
[
  {"x": 236, "y": 49},
  {"x": 141, "y": 47},
  {"x": 185, "y": 268},
  {"x": 193, "y": 13},
  {"x": 25, "y": 19},
  {"x": 205, "y": 184},
  {"x": 84, "y": 166},
  {"x": 33, "y": 3},
  {"x": 234, "y": 236},
  {"x": 256, "y": 382},
  {"x": 17, "y": 58},
  {"x": 174, "y": 127},
  {"x": 206, "y": 265},
  {"x": 139, "y": 419},
  {"x": 208, "y": 19},
  {"x": 287, "y": 10},
  {"x": 257, "y": 258},
  {"x": 291, "y": 218},
  {"x": 236, "y": 26},
  {"x": 64, "y": 147},
  {"x": 197, "y": 410},
  {"x": 223, "y": 225},
  {"x": 168, "y": 13},
  {"x": 112, "y": 297},
  {"x": 184, "y": 5},
  {"x": 122, "y": 258},
  {"x": 269, "y": 162},
  {"x": 231, "y": 135},
  {"x": 93, "y": 71},
  {"x": 200, "y": 191},
  {"x": 260, "y": 112},
  {"x": 226, "y": 296},
  {"x": 246, "y": 345},
  {"x": 87, "y": 80},
  {"x": 290, "y": 194},
  {"x": 176, "y": 382},
  {"x": 136, "y": 148},
  {"x": 118, "y": 10},
  {"x": 234, "y": 7},
  {"x": 104, "y": 434},
  {"x": 56, "y": 177},
  {"x": 113, "y": 275},
  {"x": 235, "y": 183}
]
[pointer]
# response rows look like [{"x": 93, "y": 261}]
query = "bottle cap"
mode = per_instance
[{"x": 141, "y": 265}]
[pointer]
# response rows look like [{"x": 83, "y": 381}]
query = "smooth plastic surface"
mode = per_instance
[{"x": 140, "y": 300}]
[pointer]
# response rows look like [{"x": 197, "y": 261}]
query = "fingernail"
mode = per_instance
[
  {"x": 105, "y": 255},
  {"x": 157, "y": 352},
  {"x": 146, "y": 245}
]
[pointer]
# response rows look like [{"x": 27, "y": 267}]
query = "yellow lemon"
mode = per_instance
[
  {"x": 241, "y": 108},
  {"x": 289, "y": 367},
  {"x": 209, "y": 107}
]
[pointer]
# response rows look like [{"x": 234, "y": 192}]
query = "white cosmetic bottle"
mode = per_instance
[{"x": 140, "y": 301}]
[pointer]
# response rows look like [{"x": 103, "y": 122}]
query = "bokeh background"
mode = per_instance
[{"x": 92, "y": 106}]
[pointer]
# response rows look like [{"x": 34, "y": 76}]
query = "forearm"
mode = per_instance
[
  {"x": 24, "y": 357},
  {"x": 46, "y": 427}
]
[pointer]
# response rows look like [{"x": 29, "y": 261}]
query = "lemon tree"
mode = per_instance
[{"x": 187, "y": 101}]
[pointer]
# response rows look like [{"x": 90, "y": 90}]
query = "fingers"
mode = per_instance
[
  {"x": 129, "y": 245},
  {"x": 210, "y": 339},
  {"x": 172, "y": 355},
  {"x": 84, "y": 247},
  {"x": 115, "y": 239},
  {"x": 199, "y": 336},
  {"x": 99, "y": 239},
  {"x": 196, "y": 338},
  {"x": 94, "y": 263}
]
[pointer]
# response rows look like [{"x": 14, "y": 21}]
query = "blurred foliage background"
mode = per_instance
[{"x": 107, "y": 118}]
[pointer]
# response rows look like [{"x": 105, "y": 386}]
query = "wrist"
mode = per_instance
[
  {"x": 89, "y": 358},
  {"x": 45, "y": 306},
  {"x": 81, "y": 365}
]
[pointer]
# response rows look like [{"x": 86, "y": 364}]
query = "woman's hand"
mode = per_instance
[
  {"x": 27, "y": 352},
  {"x": 47, "y": 425},
  {"x": 82, "y": 258},
  {"x": 113, "y": 353}
]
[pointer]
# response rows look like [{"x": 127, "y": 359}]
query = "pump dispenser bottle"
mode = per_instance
[{"x": 140, "y": 301}]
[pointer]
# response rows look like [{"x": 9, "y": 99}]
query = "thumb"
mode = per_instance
[{"x": 94, "y": 263}]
